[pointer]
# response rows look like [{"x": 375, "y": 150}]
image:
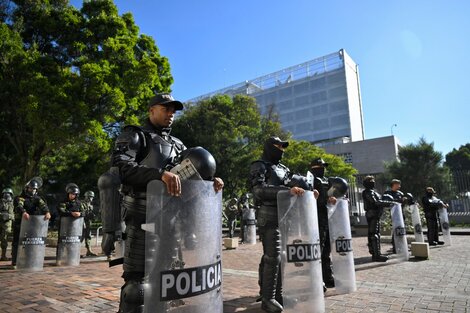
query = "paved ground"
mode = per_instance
[{"x": 440, "y": 284}]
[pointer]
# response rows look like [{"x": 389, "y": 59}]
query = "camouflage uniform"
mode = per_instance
[
  {"x": 6, "y": 216},
  {"x": 25, "y": 203},
  {"x": 88, "y": 215}
]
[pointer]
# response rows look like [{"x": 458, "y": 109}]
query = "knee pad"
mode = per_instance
[
  {"x": 132, "y": 297},
  {"x": 271, "y": 260}
]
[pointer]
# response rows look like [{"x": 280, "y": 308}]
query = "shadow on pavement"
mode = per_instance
[{"x": 244, "y": 304}]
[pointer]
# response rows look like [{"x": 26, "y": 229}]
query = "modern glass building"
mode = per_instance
[{"x": 318, "y": 101}]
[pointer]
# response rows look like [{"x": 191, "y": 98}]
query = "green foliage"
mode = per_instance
[
  {"x": 459, "y": 159},
  {"x": 233, "y": 130},
  {"x": 299, "y": 154},
  {"x": 68, "y": 79},
  {"x": 420, "y": 166}
]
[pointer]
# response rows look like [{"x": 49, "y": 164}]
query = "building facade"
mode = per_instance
[{"x": 317, "y": 101}]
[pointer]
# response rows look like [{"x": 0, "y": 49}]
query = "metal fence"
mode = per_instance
[{"x": 459, "y": 199}]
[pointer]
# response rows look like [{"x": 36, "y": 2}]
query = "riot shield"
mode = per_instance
[
  {"x": 399, "y": 232},
  {"x": 416, "y": 220},
  {"x": 302, "y": 281},
  {"x": 250, "y": 224},
  {"x": 341, "y": 244},
  {"x": 444, "y": 220},
  {"x": 32, "y": 243},
  {"x": 68, "y": 246},
  {"x": 183, "y": 249}
]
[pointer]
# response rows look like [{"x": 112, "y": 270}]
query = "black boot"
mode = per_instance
[
  {"x": 269, "y": 285},
  {"x": 377, "y": 256}
]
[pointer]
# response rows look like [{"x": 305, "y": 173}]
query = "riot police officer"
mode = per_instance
[
  {"x": 318, "y": 167},
  {"x": 88, "y": 215},
  {"x": 268, "y": 177},
  {"x": 143, "y": 154},
  {"x": 373, "y": 206},
  {"x": 397, "y": 195},
  {"x": 26, "y": 204},
  {"x": 71, "y": 206},
  {"x": 431, "y": 205},
  {"x": 6, "y": 216}
]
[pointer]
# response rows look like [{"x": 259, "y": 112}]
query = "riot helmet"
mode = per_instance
[
  {"x": 202, "y": 160},
  {"x": 72, "y": 189},
  {"x": 411, "y": 199},
  {"x": 369, "y": 182},
  {"x": 338, "y": 187},
  {"x": 32, "y": 186},
  {"x": 271, "y": 152}
]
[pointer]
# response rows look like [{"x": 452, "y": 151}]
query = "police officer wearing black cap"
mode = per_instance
[
  {"x": 268, "y": 177},
  {"x": 142, "y": 154},
  {"x": 431, "y": 205},
  {"x": 374, "y": 206},
  {"x": 318, "y": 167}
]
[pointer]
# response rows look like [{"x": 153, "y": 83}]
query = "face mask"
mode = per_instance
[
  {"x": 430, "y": 194},
  {"x": 272, "y": 153},
  {"x": 369, "y": 184},
  {"x": 318, "y": 171}
]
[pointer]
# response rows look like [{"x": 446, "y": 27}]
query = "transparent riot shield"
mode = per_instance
[
  {"x": 341, "y": 247},
  {"x": 32, "y": 243},
  {"x": 68, "y": 246},
  {"x": 302, "y": 281},
  {"x": 183, "y": 249},
  {"x": 416, "y": 220},
  {"x": 399, "y": 232},
  {"x": 444, "y": 220},
  {"x": 250, "y": 224}
]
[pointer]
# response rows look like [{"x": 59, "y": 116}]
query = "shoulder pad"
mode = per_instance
[
  {"x": 131, "y": 137},
  {"x": 178, "y": 142}
]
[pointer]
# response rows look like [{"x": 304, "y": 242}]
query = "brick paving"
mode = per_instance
[{"x": 440, "y": 284}]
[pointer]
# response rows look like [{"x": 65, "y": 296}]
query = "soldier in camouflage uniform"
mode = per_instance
[
  {"x": 88, "y": 218},
  {"x": 231, "y": 211},
  {"x": 6, "y": 216},
  {"x": 26, "y": 204}
]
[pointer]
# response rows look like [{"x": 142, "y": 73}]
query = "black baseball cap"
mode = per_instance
[
  {"x": 318, "y": 162},
  {"x": 277, "y": 141},
  {"x": 165, "y": 99}
]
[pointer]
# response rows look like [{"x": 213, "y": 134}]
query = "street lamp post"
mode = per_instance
[{"x": 391, "y": 128}]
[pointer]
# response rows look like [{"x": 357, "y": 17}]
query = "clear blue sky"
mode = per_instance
[{"x": 412, "y": 55}]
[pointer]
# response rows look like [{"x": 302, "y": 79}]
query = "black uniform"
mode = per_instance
[
  {"x": 141, "y": 154},
  {"x": 268, "y": 177},
  {"x": 431, "y": 205},
  {"x": 399, "y": 197},
  {"x": 374, "y": 208},
  {"x": 321, "y": 184}
]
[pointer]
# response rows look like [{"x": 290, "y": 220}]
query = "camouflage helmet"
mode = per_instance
[
  {"x": 89, "y": 194},
  {"x": 72, "y": 188},
  {"x": 7, "y": 190}
]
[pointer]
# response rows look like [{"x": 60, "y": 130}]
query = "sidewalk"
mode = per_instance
[{"x": 440, "y": 284}]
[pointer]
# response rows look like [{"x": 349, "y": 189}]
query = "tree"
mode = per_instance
[
  {"x": 233, "y": 130},
  {"x": 459, "y": 159},
  {"x": 420, "y": 166},
  {"x": 68, "y": 79},
  {"x": 459, "y": 163},
  {"x": 299, "y": 155}
]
